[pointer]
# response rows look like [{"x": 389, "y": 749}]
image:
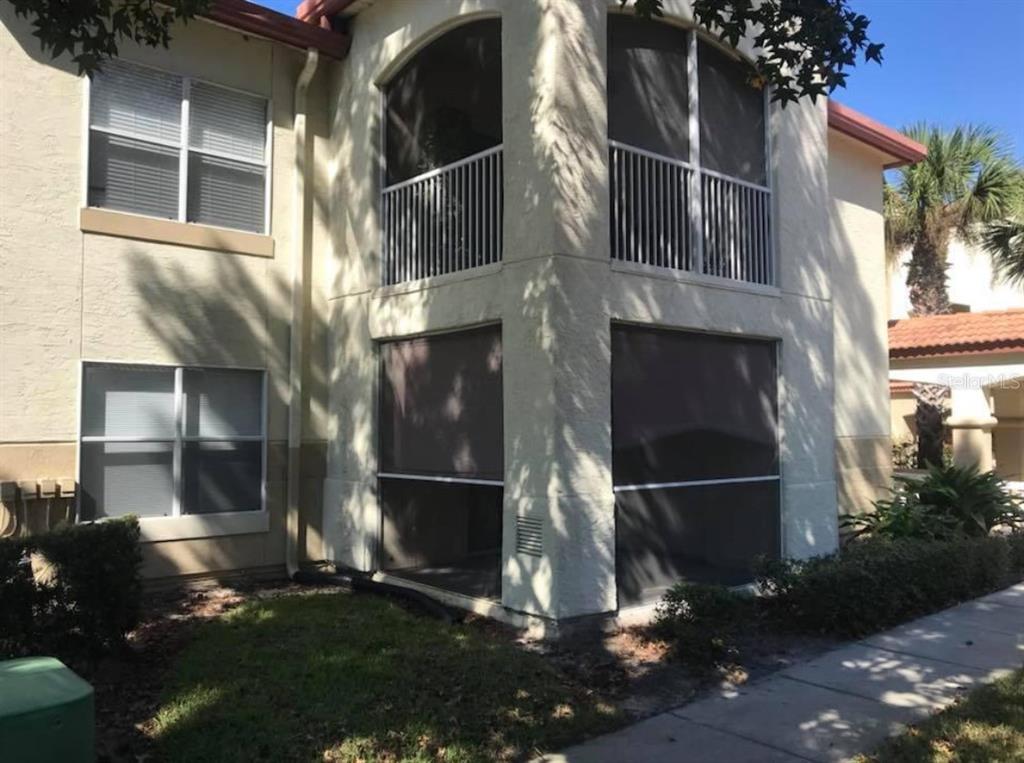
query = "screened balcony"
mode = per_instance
[
  {"x": 688, "y": 156},
  {"x": 441, "y": 202}
]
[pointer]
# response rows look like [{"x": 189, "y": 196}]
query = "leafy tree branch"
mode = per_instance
[{"x": 805, "y": 47}]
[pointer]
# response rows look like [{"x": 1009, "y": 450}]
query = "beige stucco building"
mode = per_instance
[{"x": 469, "y": 328}]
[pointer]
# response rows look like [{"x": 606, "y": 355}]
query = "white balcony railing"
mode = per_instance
[
  {"x": 658, "y": 205},
  {"x": 445, "y": 220}
]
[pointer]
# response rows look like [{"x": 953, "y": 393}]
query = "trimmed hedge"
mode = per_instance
[
  {"x": 85, "y": 600},
  {"x": 875, "y": 584},
  {"x": 870, "y": 585}
]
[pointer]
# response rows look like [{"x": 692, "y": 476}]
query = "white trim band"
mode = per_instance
[
  {"x": 429, "y": 478},
  {"x": 694, "y": 483}
]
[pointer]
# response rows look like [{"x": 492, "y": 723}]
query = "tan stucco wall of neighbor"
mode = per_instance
[
  {"x": 863, "y": 443},
  {"x": 902, "y": 407},
  {"x": 556, "y": 293},
  {"x": 70, "y": 295}
]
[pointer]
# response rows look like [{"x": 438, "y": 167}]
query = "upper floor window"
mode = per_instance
[
  {"x": 441, "y": 205},
  {"x": 445, "y": 103},
  {"x": 688, "y": 155},
  {"x": 173, "y": 147}
]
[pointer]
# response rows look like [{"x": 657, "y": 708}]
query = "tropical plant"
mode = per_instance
[
  {"x": 1003, "y": 240},
  {"x": 967, "y": 183},
  {"x": 967, "y": 180},
  {"x": 948, "y": 501}
]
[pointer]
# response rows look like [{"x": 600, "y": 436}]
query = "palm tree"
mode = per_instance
[
  {"x": 1004, "y": 242},
  {"x": 966, "y": 187}
]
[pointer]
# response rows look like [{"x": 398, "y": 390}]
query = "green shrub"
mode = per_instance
[
  {"x": 701, "y": 621},
  {"x": 945, "y": 502},
  {"x": 90, "y": 601},
  {"x": 1016, "y": 543},
  {"x": 17, "y": 598},
  {"x": 877, "y": 583}
]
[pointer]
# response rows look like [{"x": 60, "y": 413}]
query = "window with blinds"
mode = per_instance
[
  {"x": 172, "y": 147},
  {"x": 165, "y": 441}
]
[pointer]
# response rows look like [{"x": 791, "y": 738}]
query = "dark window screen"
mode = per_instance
[
  {"x": 689, "y": 407},
  {"x": 702, "y": 534},
  {"x": 441, "y": 405},
  {"x": 445, "y": 104},
  {"x": 441, "y": 415},
  {"x": 731, "y": 117},
  {"x": 445, "y": 535},
  {"x": 647, "y": 85}
]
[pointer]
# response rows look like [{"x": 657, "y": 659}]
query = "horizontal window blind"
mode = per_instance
[
  {"x": 211, "y": 170},
  {"x": 225, "y": 193},
  {"x": 227, "y": 122},
  {"x": 143, "y": 103},
  {"x": 222, "y": 403},
  {"x": 128, "y": 401},
  {"x": 133, "y": 176}
]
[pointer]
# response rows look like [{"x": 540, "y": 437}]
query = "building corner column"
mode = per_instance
[
  {"x": 556, "y": 334},
  {"x": 971, "y": 421}
]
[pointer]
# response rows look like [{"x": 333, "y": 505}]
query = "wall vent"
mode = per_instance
[{"x": 529, "y": 536}]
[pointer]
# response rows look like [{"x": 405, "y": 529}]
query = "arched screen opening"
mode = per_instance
[{"x": 445, "y": 103}]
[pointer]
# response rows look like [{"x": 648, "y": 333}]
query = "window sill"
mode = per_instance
[
  {"x": 126, "y": 225},
  {"x": 156, "y": 529}
]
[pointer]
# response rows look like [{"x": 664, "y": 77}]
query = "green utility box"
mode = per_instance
[{"x": 46, "y": 713}]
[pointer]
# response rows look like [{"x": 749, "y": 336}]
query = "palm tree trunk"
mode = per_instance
[
  {"x": 928, "y": 420},
  {"x": 926, "y": 272},
  {"x": 926, "y": 279}
]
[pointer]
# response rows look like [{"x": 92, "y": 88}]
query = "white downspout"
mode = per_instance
[{"x": 297, "y": 331}]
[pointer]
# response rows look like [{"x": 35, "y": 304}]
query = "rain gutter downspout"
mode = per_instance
[{"x": 296, "y": 341}]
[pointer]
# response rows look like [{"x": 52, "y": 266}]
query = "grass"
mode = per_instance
[
  {"x": 344, "y": 677},
  {"x": 988, "y": 725}
]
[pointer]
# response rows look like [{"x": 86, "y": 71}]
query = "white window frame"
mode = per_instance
[
  {"x": 179, "y": 526},
  {"x": 182, "y": 146}
]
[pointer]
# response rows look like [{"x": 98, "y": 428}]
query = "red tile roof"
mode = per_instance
[
  {"x": 933, "y": 336},
  {"x": 900, "y": 387},
  {"x": 865, "y": 129}
]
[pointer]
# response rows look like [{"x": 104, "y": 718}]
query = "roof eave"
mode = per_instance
[
  {"x": 863, "y": 128},
  {"x": 263, "y": 22}
]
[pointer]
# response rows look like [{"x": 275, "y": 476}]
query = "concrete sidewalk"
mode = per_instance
[{"x": 837, "y": 705}]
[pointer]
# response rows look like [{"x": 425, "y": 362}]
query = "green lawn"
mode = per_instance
[
  {"x": 349, "y": 677},
  {"x": 987, "y": 726}
]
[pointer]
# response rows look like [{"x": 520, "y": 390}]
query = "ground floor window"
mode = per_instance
[
  {"x": 442, "y": 460},
  {"x": 695, "y": 457},
  {"x": 162, "y": 441}
]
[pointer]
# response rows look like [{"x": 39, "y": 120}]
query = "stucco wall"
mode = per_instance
[
  {"x": 556, "y": 294},
  {"x": 970, "y": 281},
  {"x": 69, "y": 295},
  {"x": 863, "y": 447}
]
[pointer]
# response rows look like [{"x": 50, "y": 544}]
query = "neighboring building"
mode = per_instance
[
  {"x": 973, "y": 286},
  {"x": 980, "y": 358},
  {"x": 973, "y": 348},
  {"x": 567, "y": 310}
]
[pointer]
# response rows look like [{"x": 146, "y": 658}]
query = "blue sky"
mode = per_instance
[{"x": 946, "y": 61}]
